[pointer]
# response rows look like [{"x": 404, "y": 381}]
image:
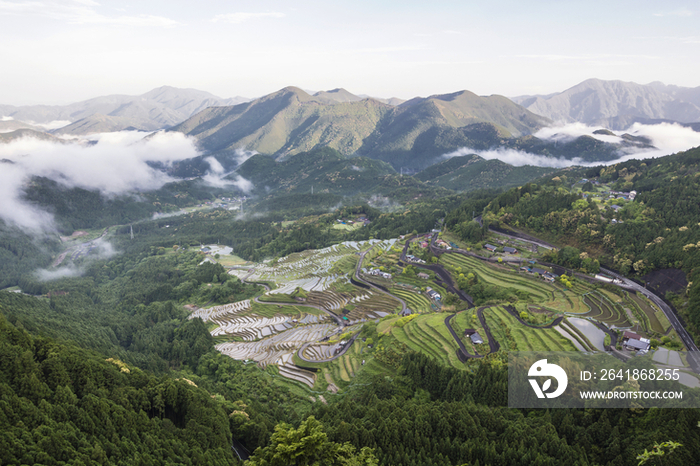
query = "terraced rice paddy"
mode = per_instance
[
  {"x": 657, "y": 320},
  {"x": 567, "y": 302},
  {"x": 603, "y": 309},
  {"x": 414, "y": 300},
  {"x": 524, "y": 338},
  {"x": 428, "y": 334},
  {"x": 216, "y": 311},
  {"x": 278, "y": 348},
  {"x": 538, "y": 290},
  {"x": 595, "y": 335},
  {"x": 298, "y": 374},
  {"x": 310, "y": 270},
  {"x": 320, "y": 352}
]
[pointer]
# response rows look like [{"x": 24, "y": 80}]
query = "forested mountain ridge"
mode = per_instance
[
  {"x": 130, "y": 308},
  {"x": 412, "y": 135},
  {"x": 470, "y": 172},
  {"x": 291, "y": 121}
]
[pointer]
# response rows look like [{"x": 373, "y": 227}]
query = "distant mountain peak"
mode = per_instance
[{"x": 617, "y": 104}]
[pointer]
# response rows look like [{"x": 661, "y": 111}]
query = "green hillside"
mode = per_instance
[
  {"x": 412, "y": 135},
  {"x": 286, "y": 122},
  {"x": 291, "y": 121},
  {"x": 656, "y": 231},
  {"x": 470, "y": 172},
  {"x": 27, "y": 133},
  {"x": 326, "y": 170}
]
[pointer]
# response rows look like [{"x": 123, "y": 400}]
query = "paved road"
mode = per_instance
[
  {"x": 693, "y": 356},
  {"x": 440, "y": 271},
  {"x": 494, "y": 346},
  {"x": 373, "y": 286},
  {"x": 463, "y": 349},
  {"x": 512, "y": 311}
]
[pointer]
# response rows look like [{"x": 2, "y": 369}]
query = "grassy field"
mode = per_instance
[
  {"x": 230, "y": 260},
  {"x": 346, "y": 227}
]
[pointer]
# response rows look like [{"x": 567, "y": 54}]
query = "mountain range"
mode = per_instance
[
  {"x": 412, "y": 134},
  {"x": 617, "y": 104},
  {"x": 159, "y": 108}
]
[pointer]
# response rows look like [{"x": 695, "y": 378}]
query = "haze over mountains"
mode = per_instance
[
  {"x": 617, "y": 104},
  {"x": 159, "y": 108},
  {"x": 410, "y": 135}
]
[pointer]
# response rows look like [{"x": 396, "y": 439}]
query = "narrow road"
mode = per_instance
[
  {"x": 512, "y": 311},
  {"x": 463, "y": 349},
  {"x": 440, "y": 272},
  {"x": 693, "y": 356},
  {"x": 494, "y": 346}
]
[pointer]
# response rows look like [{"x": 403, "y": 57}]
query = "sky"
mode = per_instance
[{"x": 58, "y": 52}]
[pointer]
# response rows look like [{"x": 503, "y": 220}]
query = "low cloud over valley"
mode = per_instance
[
  {"x": 111, "y": 163},
  {"x": 666, "y": 138}
]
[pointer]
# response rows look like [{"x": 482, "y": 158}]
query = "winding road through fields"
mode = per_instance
[
  {"x": 372, "y": 285},
  {"x": 693, "y": 355}
]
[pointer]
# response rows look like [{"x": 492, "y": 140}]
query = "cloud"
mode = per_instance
[
  {"x": 112, "y": 163},
  {"x": 98, "y": 249},
  {"x": 241, "y": 17},
  {"x": 13, "y": 209},
  {"x": 596, "y": 57},
  {"x": 217, "y": 176},
  {"x": 68, "y": 271},
  {"x": 516, "y": 158},
  {"x": 574, "y": 130},
  {"x": 55, "y": 124},
  {"x": 79, "y": 12},
  {"x": 682, "y": 12},
  {"x": 6, "y": 118},
  {"x": 667, "y": 139}
]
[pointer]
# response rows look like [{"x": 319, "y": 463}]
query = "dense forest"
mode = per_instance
[{"x": 104, "y": 367}]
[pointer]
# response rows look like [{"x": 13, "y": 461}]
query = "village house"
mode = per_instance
[
  {"x": 490, "y": 247},
  {"x": 473, "y": 336},
  {"x": 433, "y": 294},
  {"x": 634, "y": 342},
  {"x": 423, "y": 275},
  {"x": 509, "y": 250},
  {"x": 379, "y": 273}
]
